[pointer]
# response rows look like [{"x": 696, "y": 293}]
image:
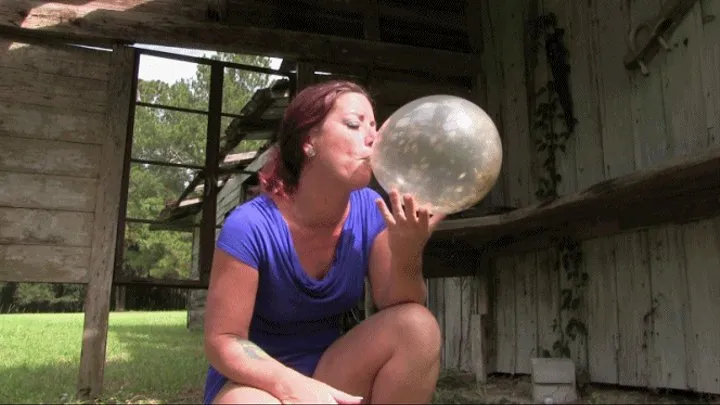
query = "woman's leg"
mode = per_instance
[
  {"x": 392, "y": 357},
  {"x": 232, "y": 393}
]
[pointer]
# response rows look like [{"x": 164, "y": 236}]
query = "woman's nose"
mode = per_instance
[{"x": 370, "y": 137}]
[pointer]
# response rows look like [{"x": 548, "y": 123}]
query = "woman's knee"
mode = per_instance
[
  {"x": 418, "y": 327},
  {"x": 233, "y": 393}
]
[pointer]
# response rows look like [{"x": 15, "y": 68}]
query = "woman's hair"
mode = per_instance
[{"x": 281, "y": 173}]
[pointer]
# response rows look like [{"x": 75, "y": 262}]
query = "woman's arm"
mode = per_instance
[
  {"x": 396, "y": 256},
  {"x": 394, "y": 279},
  {"x": 228, "y": 311}
]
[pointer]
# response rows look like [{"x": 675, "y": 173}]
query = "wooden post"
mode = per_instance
[
  {"x": 305, "y": 75},
  {"x": 478, "y": 325},
  {"x": 479, "y": 321},
  {"x": 107, "y": 206}
]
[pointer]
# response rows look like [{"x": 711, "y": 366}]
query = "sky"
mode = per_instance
[{"x": 170, "y": 71}]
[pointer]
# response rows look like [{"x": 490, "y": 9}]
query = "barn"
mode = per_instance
[{"x": 600, "y": 242}]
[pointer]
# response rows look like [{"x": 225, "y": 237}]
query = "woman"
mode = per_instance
[{"x": 291, "y": 261}]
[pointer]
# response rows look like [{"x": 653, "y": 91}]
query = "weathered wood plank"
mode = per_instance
[
  {"x": 505, "y": 326},
  {"x": 21, "y": 190},
  {"x": 481, "y": 330},
  {"x": 46, "y": 264},
  {"x": 565, "y": 160},
  {"x": 49, "y": 157},
  {"x": 525, "y": 311},
  {"x": 614, "y": 87},
  {"x": 584, "y": 77},
  {"x": 453, "y": 323},
  {"x": 634, "y": 308},
  {"x": 650, "y": 132},
  {"x": 477, "y": 348},
  {"x": 106, "y": 208},
  {"x": 494, "y": 88},
  {"x": 667, "y": 354},
  {"x": 66, "y": 61},
  {"x": 683, "y": 95},
  {"x": 467, "y": 300},
  {"x": 548, "y": 303},
  {"x": 602, "y": 315},
  {"x": 51, "y": 90},
  {"x": 652, "y": 148},
  {"x": 42, "y": 122},
  {"x": 95, "y": 21},
  {"x": 710, "y": 72},
  {"x": 45, "y": 227},
  {"x": 702, "y": 256},
  {"x": 514, "y": 99}
]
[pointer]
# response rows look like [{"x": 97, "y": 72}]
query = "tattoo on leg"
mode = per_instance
[{"x": 252, "y": 350}]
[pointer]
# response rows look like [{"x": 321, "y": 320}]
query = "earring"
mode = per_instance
[{"x": 310, "y": 151}]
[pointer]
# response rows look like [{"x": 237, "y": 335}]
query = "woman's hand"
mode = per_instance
[
  {"x": 305, "y": 390},
  {"x": 409, "y": 228}
]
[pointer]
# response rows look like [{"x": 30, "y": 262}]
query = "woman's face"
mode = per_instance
[{"x": 343, "y": 143}]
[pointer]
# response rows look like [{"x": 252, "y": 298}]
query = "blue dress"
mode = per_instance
[{"x": 296, "y": 318}]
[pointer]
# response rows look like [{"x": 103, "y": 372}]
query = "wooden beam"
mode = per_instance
[
  {"x": 95, "y": 21},
  {"x": 107, "y": 207},
  {"x": 217, "y": 10},
  {"x": 441, "y": 19},
  {"x": 680, "y": 192},
  {"x": 371, "y": 20}
]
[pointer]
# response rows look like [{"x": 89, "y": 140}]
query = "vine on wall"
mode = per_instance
[{"x": 554, "y": 123}]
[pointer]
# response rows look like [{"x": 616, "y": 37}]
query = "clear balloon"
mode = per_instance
[{"x": 444, "y": 150}]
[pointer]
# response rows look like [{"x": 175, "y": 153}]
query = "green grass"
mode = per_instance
[{"x": 151, "y": 358}]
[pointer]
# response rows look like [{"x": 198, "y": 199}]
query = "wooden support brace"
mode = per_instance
[
  {"x": 642, "y": 49},
  {"x": 97, "y": 300}
]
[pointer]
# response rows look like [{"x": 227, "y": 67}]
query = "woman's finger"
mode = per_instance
[
  {"x": 424, "y": 218},
  {"x": 396, "y": 206},
  {"x": 387, "y": 215},
  {"x": 410, "y": 209}
]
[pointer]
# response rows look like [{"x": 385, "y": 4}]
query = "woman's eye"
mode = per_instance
[{"x": 353, "y": 125}]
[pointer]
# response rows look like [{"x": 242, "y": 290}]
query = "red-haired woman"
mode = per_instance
[{"x": 291, "y": 261}]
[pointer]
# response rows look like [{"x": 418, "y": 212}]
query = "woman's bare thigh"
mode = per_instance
[
  {"x": 352, "y": 362},
  {"x": 232, "y": 393}
]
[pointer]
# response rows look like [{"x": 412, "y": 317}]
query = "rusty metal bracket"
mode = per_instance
[{"x": 655, "y": 31}]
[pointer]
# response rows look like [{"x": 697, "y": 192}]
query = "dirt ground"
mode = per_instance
[{"x": 457, "y": 388}]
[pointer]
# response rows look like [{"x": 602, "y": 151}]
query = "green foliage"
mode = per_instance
[
  {"x": 553, "y": 126},
  {"x": 550, "y": 140},
  {"x": 176, "y": 137},
  {"x": 46, "y": 296}
]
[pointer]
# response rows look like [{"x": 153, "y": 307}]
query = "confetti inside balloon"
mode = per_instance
[{"x": 444, "y": 150}]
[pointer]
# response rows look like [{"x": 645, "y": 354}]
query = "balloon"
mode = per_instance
[{"x": 443, "y": 150}]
